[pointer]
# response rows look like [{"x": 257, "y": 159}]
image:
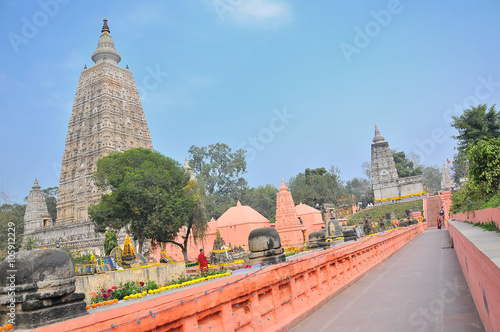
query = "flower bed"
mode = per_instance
[{"x": 135, "y": 290}]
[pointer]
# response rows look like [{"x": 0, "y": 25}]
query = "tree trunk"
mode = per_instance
[
  {"x": 141, "y": 241},
  {"x": 184, "y": 252}
]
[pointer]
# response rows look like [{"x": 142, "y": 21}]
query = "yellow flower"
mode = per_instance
[{"x": 126, "y": 298}]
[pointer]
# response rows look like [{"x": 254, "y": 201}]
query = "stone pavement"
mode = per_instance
[{"x": 419, "y": 288}]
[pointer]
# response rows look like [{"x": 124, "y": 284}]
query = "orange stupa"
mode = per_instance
[{"x": 287, "y": 223}]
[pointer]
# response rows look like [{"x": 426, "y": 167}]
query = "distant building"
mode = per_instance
[
  {"x": 36, "y": 215},
  {"x": 387, "y": 186},
  {"x": 446, "y": 180}
]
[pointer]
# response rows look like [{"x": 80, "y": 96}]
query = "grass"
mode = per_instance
[
  {"x": 489, "y": 226},
  {"x": 399, "y": 209}
]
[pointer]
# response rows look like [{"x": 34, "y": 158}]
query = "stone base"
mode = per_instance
[
  {"x": 53, "y": 314},
  {"x": 266, "y": 253},
  {"x": 221, "y": 258},
  {"x": 268, "y": 259}
]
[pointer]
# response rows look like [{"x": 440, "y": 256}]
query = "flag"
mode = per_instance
[{"x": 448, "y": 160}]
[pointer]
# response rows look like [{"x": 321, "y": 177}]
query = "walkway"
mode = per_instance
[{"x": 419, "y": 288}]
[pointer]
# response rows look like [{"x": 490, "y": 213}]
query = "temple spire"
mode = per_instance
[
  {"x": 105, "y": 27},
  {"x": 106, "y": 51},
  {"x": 378, "y": 138},
  {"x": 36, "y": 186},
  {"x": 283, "y": 187}
]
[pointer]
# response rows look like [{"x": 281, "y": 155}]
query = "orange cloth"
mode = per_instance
[{"x": 203, "y": 261}]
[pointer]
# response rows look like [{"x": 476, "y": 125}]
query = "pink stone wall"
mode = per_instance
[
  {"x": 273, "y": 298},
  {"x": 481, "y": 274},
  {"x": 482, "y": 216}
]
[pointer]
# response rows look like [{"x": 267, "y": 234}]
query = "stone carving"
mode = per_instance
[
  {"x": 265, "y": 246},
  {"x": 44, "y": 289},
  {"x": 318, "y": 240},
  {"x": 220, "y": 253}
]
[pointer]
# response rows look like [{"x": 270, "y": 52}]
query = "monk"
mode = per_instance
[{"x": 203, "y": 262}]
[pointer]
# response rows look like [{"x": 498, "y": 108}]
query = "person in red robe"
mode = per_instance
[{"x": 203, "y": 262}]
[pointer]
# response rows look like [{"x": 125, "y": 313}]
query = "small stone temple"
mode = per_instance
[
  {"x": 387, "y": 186},
  {"x": 36, "y": 215},
  {"x": 107, "y": 116},
  {"x": 288, "y": 225},
  {"x": 446, "y": 180}
]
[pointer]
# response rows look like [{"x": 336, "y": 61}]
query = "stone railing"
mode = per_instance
[{"x": 272, "y": 298}]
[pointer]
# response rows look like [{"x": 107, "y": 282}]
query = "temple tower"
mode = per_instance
[
  {"x": 36, "y": 215},
  {"x": 384, "y": 172},
  {"x": 288, "y": 225},
  {"x": 107, "y": 116},
  {"x": 446, "y": 181},
  {"x": 387, "y": 185}
]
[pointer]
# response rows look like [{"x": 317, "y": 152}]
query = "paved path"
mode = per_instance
[{"x": 420, "y": 288}]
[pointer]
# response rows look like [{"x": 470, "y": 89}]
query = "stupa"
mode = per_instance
[{"x": 446, "y": 181}]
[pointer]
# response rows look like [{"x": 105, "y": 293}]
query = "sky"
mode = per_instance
[{"x": 297, "y": 84}]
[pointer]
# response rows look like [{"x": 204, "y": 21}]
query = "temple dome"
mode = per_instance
[
  {"x": 240, "y": 215},
  {"x": 305, "y": 209}
]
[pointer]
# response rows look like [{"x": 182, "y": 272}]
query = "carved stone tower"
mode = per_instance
[
  {"x": 387, "y": 186},
  {"x": 446, "y": 181},
  {"x": 384, "y": 172},
  {"x": 288, "y": 225},
  {"x": 36, "y": 215},
  {"x": 107, "y": 116}
]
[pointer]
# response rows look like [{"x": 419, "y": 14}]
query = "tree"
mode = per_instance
[
  {"x": 145, "y": 194},
  {"x": 474, "y": 124},
  {"x": 31, "y": 243},
  {"x": 262, "y": 199},
  {"x": 11, "y": 228},
  {"x": 431, "y": 178},
  {"x": 361, "y": 189},
  {"x": 484, "y": 161},
  {"x": 404, "y": 166},
  {"x": 367, "y": 170},
  {"x": 110, "y": 241},
  {"x": 51, "y": 201},
  {"x": 195, "y": 221},
  {"x": 219, "y": 170},
  {"x": 315, "y": 187}
]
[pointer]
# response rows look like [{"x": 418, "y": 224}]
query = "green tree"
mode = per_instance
[
  {"x": 484, "y": 161},
  {"x": 194, "y": 221},
  {"x": 405, "y": 166},
  {"x": 315, "y": 187},
  {"x": 474, "y": 124},
  {"x": 361, "y": 189},
  {"x": 431, "y": 179},
  {"x": 145, "y": 194},
  {"x": 11, "y": 228},
  {"x": 110, "y": 241},
  {"x": 262, "y": 199},
  {"x": 51, "y": 201},
  {"x": 31, "y": 243},
  {"x": 219, "y": 170}
]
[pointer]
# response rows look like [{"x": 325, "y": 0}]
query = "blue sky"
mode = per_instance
[{"x": 298, "y": 84}]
